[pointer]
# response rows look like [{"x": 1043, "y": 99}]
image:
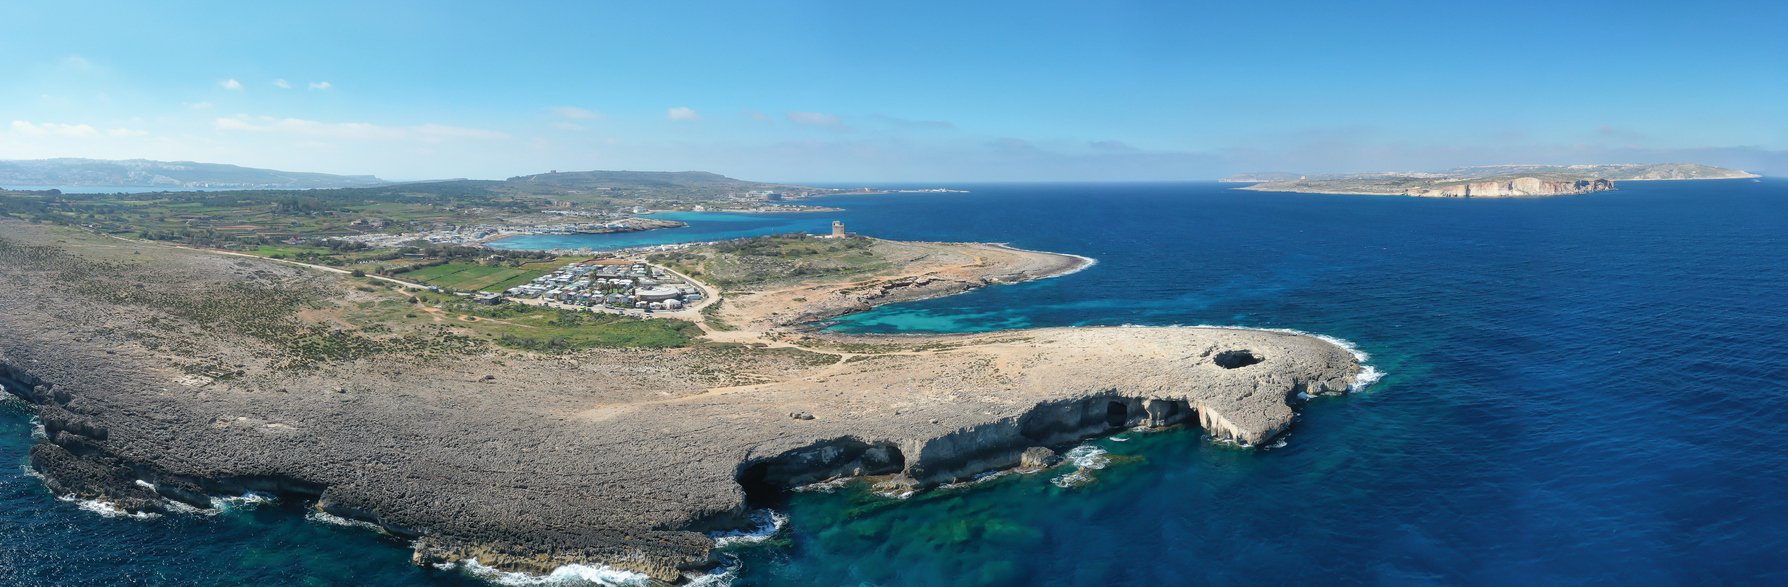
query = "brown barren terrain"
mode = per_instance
[{"x": 200, "y": 374}]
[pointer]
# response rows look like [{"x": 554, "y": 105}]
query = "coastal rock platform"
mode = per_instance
[{"x": 527, "y": 461}]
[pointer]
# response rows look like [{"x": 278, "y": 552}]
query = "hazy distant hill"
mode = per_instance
[
  {"x": 1617, "y": 172},
  {"x": 168, "y": 174},
  {"x": 696, "y": 184},
  {"x": 611, "y": 187},
  {"x": 1261, "y": 176},
  {"x": 1493, "y": 180}
]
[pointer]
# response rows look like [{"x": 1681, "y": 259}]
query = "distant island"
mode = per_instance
[
  {"x": 144, "y": 173},
  {"x": 1489, "y": 181}
]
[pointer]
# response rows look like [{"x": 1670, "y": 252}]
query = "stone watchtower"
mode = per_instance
[{"x": 837, "y": 229}]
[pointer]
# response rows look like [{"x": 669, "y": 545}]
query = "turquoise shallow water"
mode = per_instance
[
  {"x": 703, "y": 226},
  {"x": 1578, "y": 390}
]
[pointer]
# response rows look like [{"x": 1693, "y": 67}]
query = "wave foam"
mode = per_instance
[
  {"x": 976, "y": 479},
  {"x": 332, "y": 519},
  {"x": 768, "y": 522},
  {"x": 246, "y": 501},
  {"x": 573, "y": 574},
  {"x": 1085, "y": 264},
  {"x": 724, "y": 578},
  {"x": 108, "y": 510},
  {"x": 896, "y": 494},
  {"x": 826, "y": 486},
  {"x": 1086, "y": 458},
  {"x": 1085, "y": 261}
]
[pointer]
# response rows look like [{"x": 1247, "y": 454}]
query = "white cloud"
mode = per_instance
[
  {"x": 76, "y": 131},
  {"x": 350, "y": 130},
  {"x": 230, "y": 84},
  {"x": 325, "y": 86},
  {"x": 282, "y": 84},
  {"x": 682, "y": 113},
  {"x": 76, "y": 63},
  {"x": 758, "y": 116},
  {"x": 568, "y": 126},
  {"x": 814, "y": 119},
  {"x": 199, "y": 105},
  {"x": 574, "y": 112}
]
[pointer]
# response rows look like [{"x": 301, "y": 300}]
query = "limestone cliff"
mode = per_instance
[
  {"x": 1509, "y": 188},
  {"x": 1492, "y": 181}
]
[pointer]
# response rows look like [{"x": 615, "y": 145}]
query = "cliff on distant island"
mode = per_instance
[
  {"x": 1495, "y": 181},
  {"x": 1521, "y": 186}
]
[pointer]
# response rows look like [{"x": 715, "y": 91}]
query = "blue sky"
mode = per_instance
[{"x": 901, "y": 91}]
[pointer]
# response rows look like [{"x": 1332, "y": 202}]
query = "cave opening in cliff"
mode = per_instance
[
  {"x": 1237, "y": 359},
  {"x": 1116, "y": 414},
  {"x": 760, "y": 492},
  {"x": 767, "y": 482}
]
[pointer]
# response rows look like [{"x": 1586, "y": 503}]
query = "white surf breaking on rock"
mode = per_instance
[
  {"x": 724, "y": 578},
  {"x": 1085, "y": 261},
  {"x": 568, "y": 575},
  {"x": 721, "y": 577},
  {"x": 246, "y": 501},
  {"x": 1085, "y": 264},
  {"x": 219, "y": 505},
  {"x": 1368, "y": 374},
  {"x": 897, "y": 493},
  {"x": 977, "y": 479},
  {"x": 332, "y": 519},
  {"x": 826, "y": 486},
  {"x": 1086, "y": 458},
  {"x": 108, "y": 510},
  {"x": 768, "y": 523}
]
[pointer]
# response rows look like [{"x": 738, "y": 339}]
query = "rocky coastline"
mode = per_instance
[
  {"x": 1513, "y": 188},
  {"x": 1519, "y": 187},
  {"x": 623, "y": 458},
  {"x": 1491, "y": 181}
]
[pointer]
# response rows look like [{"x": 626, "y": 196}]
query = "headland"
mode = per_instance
[
  {"x": 1492, "y": 181},
  {"x": 167, "y": 375}
]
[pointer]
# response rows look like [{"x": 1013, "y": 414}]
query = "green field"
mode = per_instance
[
  {"x": 479, "y": 277},
  {"x": 287, "y": 251}
]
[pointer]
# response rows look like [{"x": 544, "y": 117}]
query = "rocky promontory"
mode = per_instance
[{"x": 157, "y": 382}]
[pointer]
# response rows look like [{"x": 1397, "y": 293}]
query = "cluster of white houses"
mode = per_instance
[{"x": 613, "y": 283}]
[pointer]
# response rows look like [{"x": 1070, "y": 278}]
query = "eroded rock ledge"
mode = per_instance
[
  {"x": 634, "y": 485},
  {"x": 528, "y": 462}
]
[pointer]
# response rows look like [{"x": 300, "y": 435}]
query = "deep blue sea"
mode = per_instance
[{"x": 1584, "y": 389}]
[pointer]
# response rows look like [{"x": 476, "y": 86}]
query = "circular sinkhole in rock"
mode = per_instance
[{"x": 1237, "y": 359}]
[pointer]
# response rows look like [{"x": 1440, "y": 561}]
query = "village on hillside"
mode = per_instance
[{"x": 614, "y": 284}]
